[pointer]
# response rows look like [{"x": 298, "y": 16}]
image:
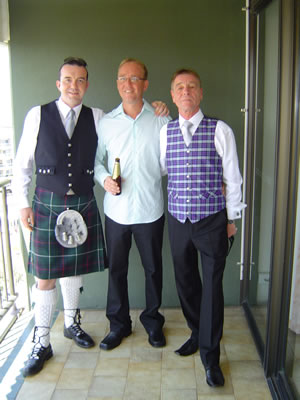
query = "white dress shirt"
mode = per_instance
[
  {"x": 136, "y": 143},
  {"x": 24, "y": 162},
  {"x": 226, "y": 148}
]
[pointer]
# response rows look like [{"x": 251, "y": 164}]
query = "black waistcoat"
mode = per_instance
[{"x": 63, "y": 163}]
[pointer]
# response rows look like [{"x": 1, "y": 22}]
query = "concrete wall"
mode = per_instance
[{"x": 205, "y": 35}]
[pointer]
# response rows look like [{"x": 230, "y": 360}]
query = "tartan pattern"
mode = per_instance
[
  {"x": 47, "y": 258},
  {"x": 195, "y": 173}
]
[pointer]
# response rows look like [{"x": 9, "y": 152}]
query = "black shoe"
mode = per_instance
[
  {"x": 36, "y": 360},
  {"x": 157, "y": 338},
  {"x": 112, "y": 340},
  {"x": 81, "y": 338},
  {"x": 188, "y": 348},
  {"x": 214, "y": 376}
]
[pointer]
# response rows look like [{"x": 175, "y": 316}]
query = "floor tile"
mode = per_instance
[
  {"x": 243, "y": 374},
  {"x": 184, "y": 394},
  {"x": 94, "y": 316},
  {"x": 170, "y": 360},
  {"x": 144, "y": 366},
  {"x": 36, "y": 390},
  {"x": 76, "y": 349},
  {"x": 177, "y": 329},
  {"x": 236, "y": 351},
  {"x": 141, "y": 392},
  {"x": 173, "y": 314},
  {"x": 183, "y": 378},
  {"x": 178, "y": 324},
  {"x": 95, "y": 329},
  {"x": 176, "y": 341},
  {"x": 105, "y": 398},
  {"x": 141, "y": 375},
  {"x": 107, "y": 386},
  {"x": 61, "y": 348},
  {"x": 122, "y": 351},
  {"x": 233, "y": 311},
  {"x": 75, "y": 378},
  {"x": 69, "y": 394},
  {"x": 112, "y": 367},
  {"x": 249, "y": 369},
  {"x": 235, "y": 322},
  {"x": 145, "y": 353},
  {"x": 137, "y": 371},
  {"x": 246, "y": 390},
  {"x": 237, "y": 337},
  {"x": 84, "y": 361},
  {"x": 216, "y": 397},
  {"x": 143, "y": 381}
]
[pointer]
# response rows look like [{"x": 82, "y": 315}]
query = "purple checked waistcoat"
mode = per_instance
[{"x": 195, "y": 173}]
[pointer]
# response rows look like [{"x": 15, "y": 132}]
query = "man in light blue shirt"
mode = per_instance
[{"x": 131, "y": 132}]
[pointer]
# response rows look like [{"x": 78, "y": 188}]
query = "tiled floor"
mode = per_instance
[{"x": 137, "y": 371}]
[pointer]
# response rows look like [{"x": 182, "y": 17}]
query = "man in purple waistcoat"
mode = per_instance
[{"x": 204, "y": 198}]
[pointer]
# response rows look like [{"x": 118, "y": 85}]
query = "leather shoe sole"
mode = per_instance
[
  {"x": 188, "y": 348},
  {"x": 214, "y": 376},
  {"x": 112, "y": 340},
  {"x": 157, "y": 339}
]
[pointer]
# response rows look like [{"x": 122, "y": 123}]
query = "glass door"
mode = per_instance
[
  {"x": 270, "y": 291},
  {"x": 292, "y": 360},
  {"x": 264, "y": 162}
]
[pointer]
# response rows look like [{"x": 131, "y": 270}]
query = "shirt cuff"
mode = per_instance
[{"x": 235, "y": 213}]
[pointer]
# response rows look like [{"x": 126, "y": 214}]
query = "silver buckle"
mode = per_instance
[{"x": 70, "y": 230}]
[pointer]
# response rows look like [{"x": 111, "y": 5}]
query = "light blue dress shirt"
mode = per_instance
[{"x": 136, "y": 142}]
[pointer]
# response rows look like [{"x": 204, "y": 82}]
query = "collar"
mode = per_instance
[
  {"x": 119, "y": 110},
  {"x": 195, "y": 120},
  {"x": 64, "y": 108}
]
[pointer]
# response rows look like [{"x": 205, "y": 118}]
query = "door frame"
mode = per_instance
[{"x": 272, "y": 350}]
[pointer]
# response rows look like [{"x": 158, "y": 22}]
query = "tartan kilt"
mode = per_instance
[{"x": 50, "y": 260}]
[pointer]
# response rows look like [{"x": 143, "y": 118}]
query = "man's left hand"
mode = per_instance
[
  {"x": 161, "y": 109},
  {"x": 231, "y": 229}
]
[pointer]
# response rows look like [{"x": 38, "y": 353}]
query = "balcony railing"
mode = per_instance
[{"x": 12, "y": 272}]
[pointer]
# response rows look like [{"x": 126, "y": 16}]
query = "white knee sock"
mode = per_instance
[
  {"x": 45, "y": 302},
  {"x": 70, "y": 289}
]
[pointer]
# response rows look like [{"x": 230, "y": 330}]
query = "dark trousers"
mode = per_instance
[
  {"x": 148, "y": 238},
  {"x": 202, "y": 301}
]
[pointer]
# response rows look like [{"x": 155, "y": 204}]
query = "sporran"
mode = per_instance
[{"x": 70, "y": 230}]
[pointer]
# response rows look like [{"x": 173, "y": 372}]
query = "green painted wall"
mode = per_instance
[{"x": 166, "y": 34}]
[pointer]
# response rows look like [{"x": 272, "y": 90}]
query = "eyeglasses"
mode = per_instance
[{"x": 133, "y": 79}]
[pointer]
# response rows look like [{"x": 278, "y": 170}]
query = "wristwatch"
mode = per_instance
[{"x": 230, "y": 221}]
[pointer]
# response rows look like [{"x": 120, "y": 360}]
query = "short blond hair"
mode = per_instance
[{"x": 140, "y": 63}]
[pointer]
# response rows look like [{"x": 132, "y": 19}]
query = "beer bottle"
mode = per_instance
[{"x": 116, "y": 176}]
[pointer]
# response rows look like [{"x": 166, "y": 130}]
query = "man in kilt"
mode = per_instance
[{"x": 60, "y": 139}]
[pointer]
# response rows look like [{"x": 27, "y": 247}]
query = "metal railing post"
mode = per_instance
[
  {"x": 8, "y": 259},
  {"x": 2, "y": 261}
]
